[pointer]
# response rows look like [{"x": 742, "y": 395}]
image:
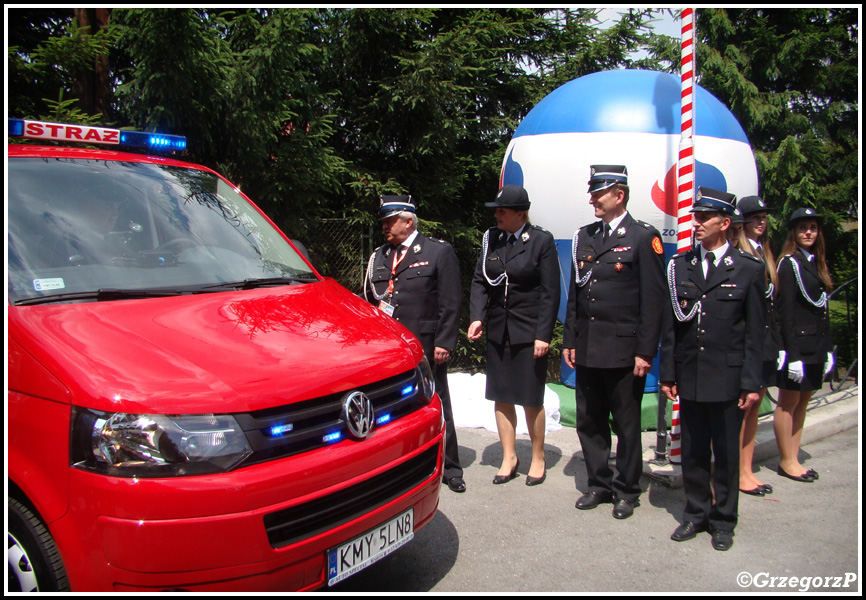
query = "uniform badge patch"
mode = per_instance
[
  {"x": 657, "y": 246},
  {"x": 618, "y": 267}
]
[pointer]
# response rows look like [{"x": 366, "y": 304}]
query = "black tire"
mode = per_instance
[{"x": 34, "y": 561}]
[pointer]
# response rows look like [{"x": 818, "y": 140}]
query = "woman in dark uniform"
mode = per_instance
[
  {"x": 515, "y": 294},
  {"x": 756, "y": 232},
  {"x": 804, "y": 282}
]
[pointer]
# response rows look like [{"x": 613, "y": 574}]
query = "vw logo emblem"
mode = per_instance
[{"x": 358, "y": 413}]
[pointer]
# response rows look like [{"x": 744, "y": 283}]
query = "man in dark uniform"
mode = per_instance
[
  {"x": 416, "y": 280},
  {"x": 611, "y": 336},
  {"x": 711, "y": 356}
]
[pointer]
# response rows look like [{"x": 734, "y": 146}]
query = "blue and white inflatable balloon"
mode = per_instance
[{"x": 628, "y": 118}]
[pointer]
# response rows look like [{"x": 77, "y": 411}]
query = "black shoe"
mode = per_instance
[
  {"x": 687, "y": 531},
  {"x": 500, "y": 479},
  {"x": 456, "y": 484},
  {"x": 768, "y": 489},
  {"x": 623, "y": 509},
  {"x": 592, "y": 499},
  {"x": 758, "y": 491},
  {"x": 723, "y": 540},
  {"x": 800, "y": 478},
  {"x": 536, "y": 480}
]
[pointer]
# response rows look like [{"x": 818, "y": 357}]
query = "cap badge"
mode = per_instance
[
  {"x": 416, "y": 248},
  {"x": 729, "y": 261},
  {"x": 524, "y": 237}
]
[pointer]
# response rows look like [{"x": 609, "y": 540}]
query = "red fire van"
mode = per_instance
[{"x": 190, "y": 404}]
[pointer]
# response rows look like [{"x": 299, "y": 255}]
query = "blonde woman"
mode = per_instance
[{"x": 756, "y": 234}]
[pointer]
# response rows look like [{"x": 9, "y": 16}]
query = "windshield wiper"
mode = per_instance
[
  {"x": 102, "y": 294},
  {"x": 256, "y": 282}
]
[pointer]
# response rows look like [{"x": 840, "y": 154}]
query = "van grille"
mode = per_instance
[
  {"x": 322, "y": 514},
  {"x": 306, "y": 425}
]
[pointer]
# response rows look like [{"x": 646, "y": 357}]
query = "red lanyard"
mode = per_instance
[{"x": 399, "y": 254}]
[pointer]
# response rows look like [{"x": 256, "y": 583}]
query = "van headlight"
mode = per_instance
[
  {"x": 428, "y": 384},
  {"x": 142, "y": 445}
]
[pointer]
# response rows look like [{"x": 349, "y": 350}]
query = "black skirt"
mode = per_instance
[
  {"x": 514, "y": 375},
  {"x": 769, "y": 374},
  {"x": 813, "y": 378}
]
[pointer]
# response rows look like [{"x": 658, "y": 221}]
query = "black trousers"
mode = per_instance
[
  {"x": 599, "y": 394},
  {"x": 711, "y": 456},
  {"x": 451, "y": 467}
]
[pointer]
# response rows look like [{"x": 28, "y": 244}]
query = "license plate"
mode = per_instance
[{"x": 366, "y": 549}]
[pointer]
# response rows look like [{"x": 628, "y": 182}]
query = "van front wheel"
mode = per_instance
[{"x": 32, "y": 556}]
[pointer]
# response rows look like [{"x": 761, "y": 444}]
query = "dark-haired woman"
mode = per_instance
[
  {"x": 515, "y": 295},
  {"x": 804, "y": 282}
]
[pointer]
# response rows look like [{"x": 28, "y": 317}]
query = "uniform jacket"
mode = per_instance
[
  {"x": 772, "y": 332},
  {"x": 528, "y": 311},
  {"x": 805, "y": 327},
  {"x": 617, "y": 313},
  {"x": 719, "y": 353},
  {"x": 427, "y": 293}
]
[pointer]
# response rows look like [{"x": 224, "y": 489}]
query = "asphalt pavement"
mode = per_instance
[{"x": 513, "y": 539}]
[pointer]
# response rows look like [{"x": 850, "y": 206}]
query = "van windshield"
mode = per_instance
[{"x": 82, "y": 229}]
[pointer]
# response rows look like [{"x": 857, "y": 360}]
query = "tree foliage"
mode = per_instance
[
  {"x": 791, "y": 78},
  {"x": 316, "y": 112}
]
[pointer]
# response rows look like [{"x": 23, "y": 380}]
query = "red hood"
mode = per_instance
[{"x": 222, "y": 352}]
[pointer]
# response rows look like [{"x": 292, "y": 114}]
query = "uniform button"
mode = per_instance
[
  {"x": 592, "y": 318},
  {"x": 703, "y": 331},
  {"x": 702, "y": 348},
  {"x": 704, "y": 296}
]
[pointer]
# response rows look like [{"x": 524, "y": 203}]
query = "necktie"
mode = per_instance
[
  {"x": 606, "y": 233},
  {"x": 711, "y": 265}
]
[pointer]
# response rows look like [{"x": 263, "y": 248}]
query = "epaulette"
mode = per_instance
[
  {"x": 750, "y": 255},
  {"x": 687, "y": 255},
  {"x": 538, "y": 227},
  {"x": 643, "y": 224},
  {"x": 592, "y": 228}
]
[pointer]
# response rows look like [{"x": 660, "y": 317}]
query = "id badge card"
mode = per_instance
[{"x": 386, "y": 308}]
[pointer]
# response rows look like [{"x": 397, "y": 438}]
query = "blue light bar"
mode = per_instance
[
  {"x": 16, "y": 127},
  {"x": 152, "y": 141},
  {"x": 386, "y": 418},
  {"x": 332, "y": 437},
  {"x": 408, "y": 390}
]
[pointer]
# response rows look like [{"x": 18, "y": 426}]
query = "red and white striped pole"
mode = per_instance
[
  {"x": 685, "y": 178},
  {"x": 686, "y": 162}
]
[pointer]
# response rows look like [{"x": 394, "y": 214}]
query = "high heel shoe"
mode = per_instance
[
  {"x": 536, "y": 480},
  {"x": 500, "y": 479}
]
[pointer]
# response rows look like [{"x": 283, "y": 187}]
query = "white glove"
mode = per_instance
[
  {"x": 795, "y": 371},
  {"x": 781, "y": 361},
  {"x": 828, "y": 366}
]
